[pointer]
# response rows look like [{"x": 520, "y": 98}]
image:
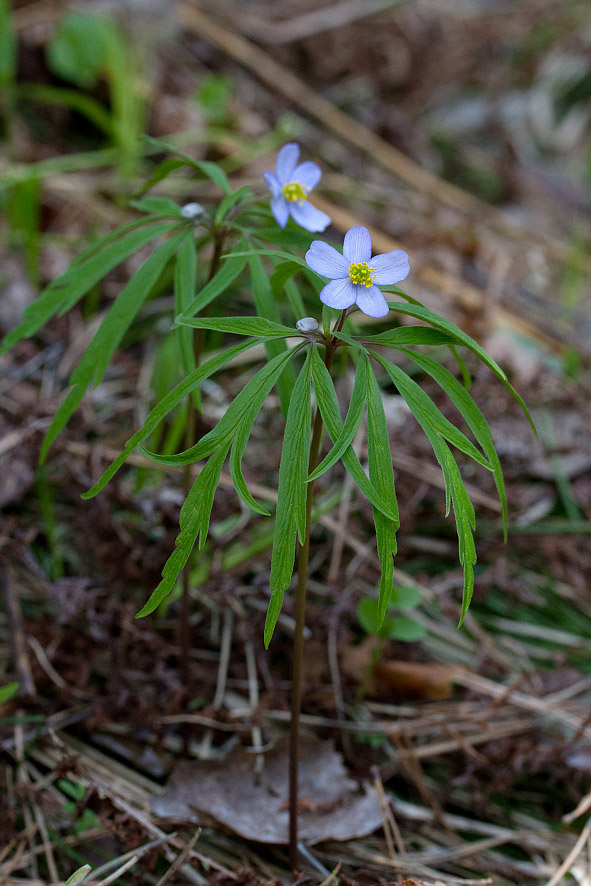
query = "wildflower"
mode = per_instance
[
  {"x": 290, "y": 185},
  {"x": 352, "y": 277}
]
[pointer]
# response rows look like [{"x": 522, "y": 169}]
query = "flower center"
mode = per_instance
[
  {"x": 294, "y": 192},
  {"x": 361, "y": 274}
]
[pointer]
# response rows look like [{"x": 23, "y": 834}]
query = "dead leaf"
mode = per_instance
[{"x": 332, "y": 806}]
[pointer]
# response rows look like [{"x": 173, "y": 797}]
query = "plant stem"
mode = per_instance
[
  {"x": 191, "y": 429},
  {"x": 300, "y": 618}
]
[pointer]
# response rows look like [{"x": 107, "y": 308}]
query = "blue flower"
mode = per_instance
[
  {"x": 290, "y": 185},
  {"x": 352, "y": 279}
]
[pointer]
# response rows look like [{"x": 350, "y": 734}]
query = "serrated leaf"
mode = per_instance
[
  {"x": 194, "y": 523},
  {"x": 426, "y": 412},
  {"x": 226, "y": 275},
  {"x": 63, "y": 293},
  {"x": 166, "y": 405},
  {"x": 290, "y": 516},
  {"x": 422, "y": 313},
  {"x": 329, "y": 407},
  {"x": 266, "y": 307},
  {"x": 247, "y": 403},
  {"x": 352, "y": 422},
  {"x": 410, "y": 335},
  {"x": 473, "y": 417},
  {"x": 96, "y": 358},
  {"x": 257, "y": 326},
  {"x": 381, "y": 474},
  {"x": 210, "y": 170}
]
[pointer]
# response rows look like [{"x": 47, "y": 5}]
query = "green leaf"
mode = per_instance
[
  {"x": 352, "y": 422},
  {"x": 8, "y": 691},
  {"x": 247, "y": 403},
  {"x": 329, "y": 408},
  {"x": 426, "y": 412},
  {"x": 228, "y": 272},
  {"x": 284, "y": 271},
  {"x": 241, "y": 326},
  {"x": 96, "y": 358},
  {"x": 8, "y": 46},
  {"x": 290, "y": 516},
  {"x": 465, "y": 523},
  {"x": 166, "y": 405},
  {"x": 161, "y": 172},
  {"x": 214, "y": 94},
  {"x": 406, "y": 629},
  {"x": 236, "y": 455},
  {"x": 229, "y": 202},
  {"x": 266, "y": 306},
  {"x": 78, "y": 51},
  {"x": 405, "y": 597},
  {"x": 290, "y": 236},
  {"x": 78, "y": 876},
  {"x": 410, "y": 335},
  {"x": 81, "y": 276},
  {"x": 381, "y": 474},
  {"x": 273, "y": 253},
  {"x": 158, "y": 205},
  {"x": 473, "y": 417},
  {"x": 194, "y": 523},
  {"x": 422, "y": 313},
  {"x": 273, "y": 613},
  {"x": 185, "y": 283},
  {"x": 210, "y": 170}
]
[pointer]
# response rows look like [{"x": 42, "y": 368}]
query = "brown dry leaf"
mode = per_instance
[
  {"x": 410, "y": 678},
  {"x": 394, "y": 678},
  {"x": 332, "y": 806}
]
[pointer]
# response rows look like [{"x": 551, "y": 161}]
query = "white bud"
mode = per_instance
[
  {"x": 307, "y": 324},
  {"x": 192, "y": 210}
]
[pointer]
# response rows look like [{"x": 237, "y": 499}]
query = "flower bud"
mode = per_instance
[
  {"x": 307, "y": 324},
  {"x": 192, "y": 210}
]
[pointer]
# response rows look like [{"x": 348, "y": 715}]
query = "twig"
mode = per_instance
[
  {"x": 180, "y": 859},
  {"x": 572, "y": 856},
  {"x": 316, "y": 22}
]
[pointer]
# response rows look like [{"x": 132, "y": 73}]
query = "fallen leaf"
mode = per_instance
[{"x": 332, "y": 806}]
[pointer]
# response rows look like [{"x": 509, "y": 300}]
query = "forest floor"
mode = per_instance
[{"x": 457, "y": 135}]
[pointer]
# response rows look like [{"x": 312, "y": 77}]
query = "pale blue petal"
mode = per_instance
[
  {"x": 338, "y": 294},
  {"x": 391, "y": 267},
  {"x": 309, "y": 217},
  {"x": 286, "y": 162},
  {"x": 280, "y": 211},
  {"x": 357, "y": 245},
  {"x": 371, "y": 301},
  {"x": 325, "y": 260},
  {"x": 272, "y": 183},
  {"x": 307, "y": 174}
]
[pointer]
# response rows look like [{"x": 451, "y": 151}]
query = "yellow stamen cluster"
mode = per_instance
[
  {"x": 361, "y": 274},
  {"x": 294, "y": 192}
]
